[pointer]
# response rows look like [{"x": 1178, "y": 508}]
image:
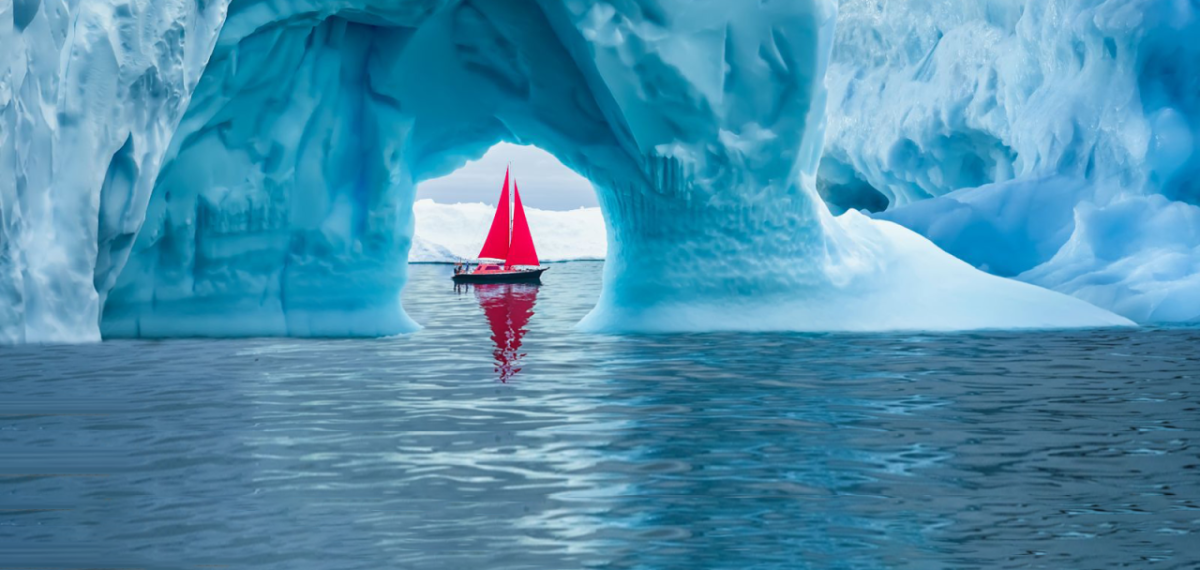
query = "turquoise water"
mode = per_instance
[{"x": 473, "y": 444}]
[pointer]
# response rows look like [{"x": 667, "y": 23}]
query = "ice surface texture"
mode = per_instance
[
  {"x": 1006, "y": 130},
  {"x": 249, "y": 169},
  {"x": 90, "y": 95}
]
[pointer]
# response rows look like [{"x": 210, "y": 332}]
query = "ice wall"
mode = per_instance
[
  {"x": 284, "y": 204},
  {"x": 993, "y": 126},
  {"x": 90, "y": 94}
]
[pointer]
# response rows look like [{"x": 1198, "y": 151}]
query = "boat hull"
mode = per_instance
[{"x": 525, "y": 276}]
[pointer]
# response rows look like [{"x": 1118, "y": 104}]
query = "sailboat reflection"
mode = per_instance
[{"x": 508, "y": 307}]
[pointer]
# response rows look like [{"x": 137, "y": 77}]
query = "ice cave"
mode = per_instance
[{"x": 249, "y": 168}]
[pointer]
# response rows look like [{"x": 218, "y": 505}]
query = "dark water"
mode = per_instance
[{"x": 1046, "y": 450}]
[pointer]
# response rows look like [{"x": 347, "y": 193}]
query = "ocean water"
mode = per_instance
[{"x": 498, "y": 438}]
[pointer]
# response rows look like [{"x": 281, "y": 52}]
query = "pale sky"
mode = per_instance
[{"x": 545, "y": 183}]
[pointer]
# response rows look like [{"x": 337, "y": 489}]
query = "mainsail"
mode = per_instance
[{"x": 496, "y": 246}]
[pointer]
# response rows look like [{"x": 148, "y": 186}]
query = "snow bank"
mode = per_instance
[{"x": 451, "y": 232}]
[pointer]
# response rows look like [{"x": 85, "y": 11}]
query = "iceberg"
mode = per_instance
[{"x": 249, "y": 167}]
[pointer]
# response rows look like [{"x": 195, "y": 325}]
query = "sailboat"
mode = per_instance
[{"x": 508, "y": 255}]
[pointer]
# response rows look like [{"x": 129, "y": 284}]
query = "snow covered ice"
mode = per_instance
[{"x": 249, "y": 168}]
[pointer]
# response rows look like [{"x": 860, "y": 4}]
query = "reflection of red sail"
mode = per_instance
[{"x": 508, "y": 307}]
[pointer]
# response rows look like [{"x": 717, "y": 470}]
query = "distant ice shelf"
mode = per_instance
[{"x": 452, "y": 232}]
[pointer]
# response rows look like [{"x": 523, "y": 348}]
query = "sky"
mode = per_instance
[{"x": 545, "y": 183}]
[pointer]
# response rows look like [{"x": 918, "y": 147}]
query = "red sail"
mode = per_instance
[
  {"x": 520, "y": 251},
  {"x": 496, "y": 246}
]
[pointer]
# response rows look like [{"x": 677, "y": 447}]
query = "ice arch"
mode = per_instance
[
  {"x": 283, "y": 201},
  {"x": 283, "y": 204}
]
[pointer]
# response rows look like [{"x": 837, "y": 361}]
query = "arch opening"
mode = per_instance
[{"x": 452, "y": 213}]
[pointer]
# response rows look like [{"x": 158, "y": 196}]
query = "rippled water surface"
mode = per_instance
[{"x": 500, "y": 438}]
